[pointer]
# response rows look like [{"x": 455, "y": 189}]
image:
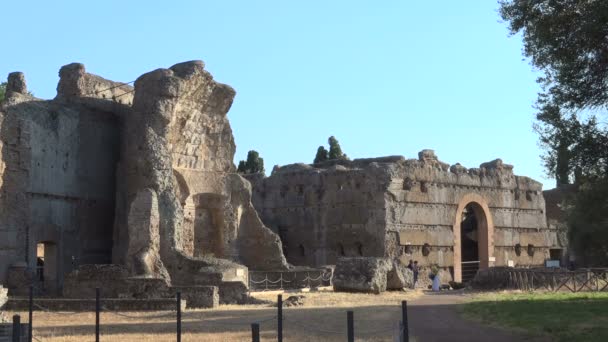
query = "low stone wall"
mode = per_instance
[
  {"x": 164, "y": 304},
  {"x": 198, "y": 297}
]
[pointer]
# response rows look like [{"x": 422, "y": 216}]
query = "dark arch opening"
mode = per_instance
[
  {"x": 469, "y": 242},
  {"x": 468, "y": 235}
]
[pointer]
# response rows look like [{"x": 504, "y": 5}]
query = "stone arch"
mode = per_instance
[{"x": 485, "y": 232}]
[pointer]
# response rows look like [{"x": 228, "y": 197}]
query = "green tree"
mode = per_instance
[
  {"x": 2, "y": 91},
  {"x": 567, "y": 41},
  {"x": 588, "y": 223},
  {"x": 322, "y": 155},
  {"x": 253, "y": 164},
  {"x": 335, "y": 151}
]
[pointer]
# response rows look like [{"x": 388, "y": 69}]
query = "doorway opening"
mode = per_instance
[
  {"x": 473, "y": 231},
  {"x": 469, "y": 243},
  {"x": 46, "y": 265}
]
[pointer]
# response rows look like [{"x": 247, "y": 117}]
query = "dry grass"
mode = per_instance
[{"x": 321, "y": 318}]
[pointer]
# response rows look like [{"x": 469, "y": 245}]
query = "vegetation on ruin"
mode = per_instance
[
  {"x": 253, "y": 164},
  {"x": 566, "y": 41},
  {"x": 335, "y": 151},
  {"x": 322, "y": 155},
  {"x": 561, "y": 316}
]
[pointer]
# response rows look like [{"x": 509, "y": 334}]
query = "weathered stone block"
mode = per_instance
[
  {"x": 399, "y": 277},
  {"x": 361, "y": 274}
]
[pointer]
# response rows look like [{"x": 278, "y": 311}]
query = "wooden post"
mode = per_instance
[
  {"x": 406, "y": 333},
  {"x": 31, "y": 317},
  {"x": 350, "y": 324},
  {"x": 97, "y": 309},
  {"x": 16, "y": 328},
  {"x": 179, "y": 316},
  {"x": 280, "y": 318},
  {"x": 255, "y": 332}
]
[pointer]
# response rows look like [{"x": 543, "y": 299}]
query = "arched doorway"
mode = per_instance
[{"x": 473, "y": 243}]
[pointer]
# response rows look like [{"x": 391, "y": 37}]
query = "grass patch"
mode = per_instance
[{"x": 562, "y": 316}]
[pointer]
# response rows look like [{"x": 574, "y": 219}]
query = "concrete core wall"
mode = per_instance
[
  {"x": 406, "y": 209},
  {"x": 58, "y": 180}
]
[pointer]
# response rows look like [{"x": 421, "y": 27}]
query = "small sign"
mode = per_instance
[
  {"x": 510, "y": 263},
  {"x": 239, "y": 272},
  {"x": 552, "y": 263},
  {"x": 492, "y": 259}
]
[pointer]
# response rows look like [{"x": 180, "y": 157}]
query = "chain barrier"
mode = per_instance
[{"x": 306, "y": 282}]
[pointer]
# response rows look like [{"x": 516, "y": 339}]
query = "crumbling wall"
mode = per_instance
[
  {"x": 422, "y": 206},
  {"x": 54, "y": 192},
  {"x": 402, "y": 209},
  {"x": 327, "y": 211}
]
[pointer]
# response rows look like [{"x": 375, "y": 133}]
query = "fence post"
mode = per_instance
[
  {"x": 97, "y": 308},
  {"x": 350, "y": 324},
  {"x": 255, "y": 332},
  {"x": 280, "y": 318},
  {"x": 31, "y": 313},
  {"x": 179, "y": 316},
  {"x": 16, "y": 328},
  {"x": 405, "y": 332}
]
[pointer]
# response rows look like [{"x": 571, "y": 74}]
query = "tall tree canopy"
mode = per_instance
[
  {"x": 335, "y": 151},
  {"x": 2, "y": 91},
  {"x": 322, "y": 155},
  {"x": 567, "y": 40},
  {"x": 253, "y": 164}
]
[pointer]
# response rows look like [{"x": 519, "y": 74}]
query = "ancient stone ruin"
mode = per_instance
[
  {"x": 139, "y": 177},
  {"x": 133, "y": 189},
  {"x": 407, "y": 209}
]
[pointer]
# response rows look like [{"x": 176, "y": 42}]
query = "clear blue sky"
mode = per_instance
[{"x": 384, "y": 77}]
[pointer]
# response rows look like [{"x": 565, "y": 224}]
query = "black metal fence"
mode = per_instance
[{"x": 23, "y": 332}]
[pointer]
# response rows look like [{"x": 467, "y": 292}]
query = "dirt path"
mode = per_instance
[{"x": 434, "y": 317}]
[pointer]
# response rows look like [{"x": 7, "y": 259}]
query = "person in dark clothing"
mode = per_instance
[
  {"x": 415, "y": 270},
  {"x": 410, "y": 265}
]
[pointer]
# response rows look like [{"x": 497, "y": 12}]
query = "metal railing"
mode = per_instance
[
  {"x": 469, "y": 270},
  {"x": 590, "y": 279}
]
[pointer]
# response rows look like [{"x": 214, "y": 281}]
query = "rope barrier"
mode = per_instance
[
  {"x": 305, "y": 326},
  {"x": 106, "y": 309},
  {"x": 243, "y": 323},
  {"x": 56, "y": 312}
]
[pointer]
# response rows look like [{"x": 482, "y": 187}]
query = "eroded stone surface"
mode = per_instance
[
  {"x": 410, "y": 209},
  {"x": 361, "y": 274},
  {"x": 104, "y": 172}
]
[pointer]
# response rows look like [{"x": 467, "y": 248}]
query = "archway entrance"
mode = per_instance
[
  {"x": 469, "y": 243},
  {"x": 473, "y": 243},
  {"x": 46, "y": 266}
]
